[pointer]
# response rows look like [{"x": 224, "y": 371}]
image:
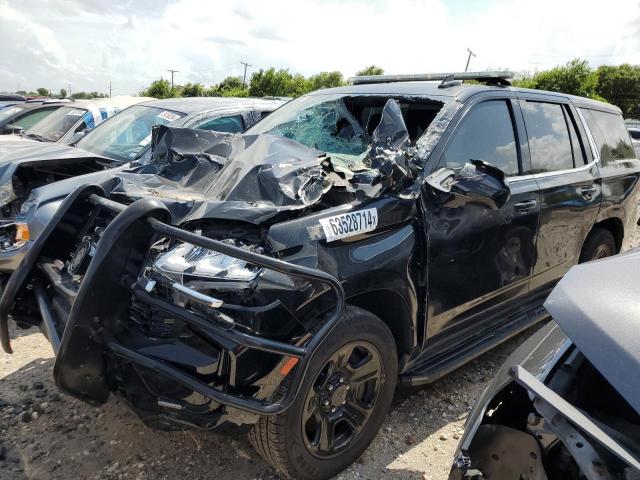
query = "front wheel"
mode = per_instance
[{"x": 343, "y": 401}]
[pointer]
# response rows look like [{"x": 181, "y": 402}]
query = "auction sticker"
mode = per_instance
[
  {"x": 349, "y": 224},
  {"x": 169, "y": 116}
]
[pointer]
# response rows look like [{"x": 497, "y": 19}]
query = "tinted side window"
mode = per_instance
[
  {"x": 231, "y": 124},
  {"x": 28, "y": 120},
  {"x": 485, "y": 133},
  {"x": 610, "y": 135},
  {"x": 549, "y": 142},
  {"x": 635, "y": 134}
]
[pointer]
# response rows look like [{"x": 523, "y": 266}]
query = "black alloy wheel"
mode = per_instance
[{"x": 342, "y": 399}]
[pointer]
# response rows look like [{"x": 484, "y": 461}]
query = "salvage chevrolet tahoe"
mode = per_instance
[{"x": 289, "y": 277}]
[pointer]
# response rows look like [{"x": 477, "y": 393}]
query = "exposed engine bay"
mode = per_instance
[{"x": 524, "y": 438}]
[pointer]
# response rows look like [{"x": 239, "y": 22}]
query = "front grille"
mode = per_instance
[{"x": 152, "y": 322}]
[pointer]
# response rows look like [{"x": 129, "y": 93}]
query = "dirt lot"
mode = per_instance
[{"x": 45, "y": 435}]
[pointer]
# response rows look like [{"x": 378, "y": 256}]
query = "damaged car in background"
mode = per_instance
[
  {"x": 289, "y": 278},
  {"x": 35, "y": 178},
  {"x": 566, "y": 404}
]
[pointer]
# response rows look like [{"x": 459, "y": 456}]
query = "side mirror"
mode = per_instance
[
  {"x": 76, "y": 137},
  {"x": 13, "y": 128},
  {"x": 478, "y": 182}
]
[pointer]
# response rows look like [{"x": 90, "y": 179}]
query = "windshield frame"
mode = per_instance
[
  {"x": 54, "y": 117},
  {"x": 86, "y": 144},
  {"x": 298, "y": 105}
]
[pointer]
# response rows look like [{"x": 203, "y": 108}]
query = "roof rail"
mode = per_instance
[{"x": 499, "y": 77}]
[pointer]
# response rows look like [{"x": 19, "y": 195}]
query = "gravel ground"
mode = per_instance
[{"x": 45, "y": 435}]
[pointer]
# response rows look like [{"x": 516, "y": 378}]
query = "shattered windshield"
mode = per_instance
[
  {"x": 126, "y": 136},
  {"x": 342, "y": 125},
  {"x": 54, "y": 126}
]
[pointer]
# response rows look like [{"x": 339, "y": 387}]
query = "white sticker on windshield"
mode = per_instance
[
  {"x": 145, "y": 140},
  {"x": 169, "y": 116},
  {"x": 76, "y": 112},
  {"x": 349, "y": 224}
]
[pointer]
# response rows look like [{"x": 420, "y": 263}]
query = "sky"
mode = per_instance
[{"x": 88, "y": 43}]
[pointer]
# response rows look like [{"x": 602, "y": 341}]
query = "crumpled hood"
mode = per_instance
[
  {"x": 596, "y": 304},
  {"x": 203, "y": 174}
]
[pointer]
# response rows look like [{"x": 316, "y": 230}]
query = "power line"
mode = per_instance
[
  {"x": 172, "y": 72},
  {"x": 244, "y": 77}
]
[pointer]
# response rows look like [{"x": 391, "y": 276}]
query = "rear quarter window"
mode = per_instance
[{"x": 610, "y": 134}]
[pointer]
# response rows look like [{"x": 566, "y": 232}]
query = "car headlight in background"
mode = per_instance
[
  {"x": 187, "y": 259},
  {"x": 29, "y": 205},
  {"x": 13, "y": 235},
  {"x": 6, "y": 194}
]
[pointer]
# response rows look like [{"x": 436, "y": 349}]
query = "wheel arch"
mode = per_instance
[
  {"x": 392, "y": 309},
  {"x": 615, "y": 226}
]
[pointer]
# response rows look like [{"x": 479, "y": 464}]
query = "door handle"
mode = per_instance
[
  {"x": 588, "y": 192},
  {"x": 526, "y": 206}
]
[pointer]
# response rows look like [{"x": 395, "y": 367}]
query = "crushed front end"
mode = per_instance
[{"x": 191, "y": 327}]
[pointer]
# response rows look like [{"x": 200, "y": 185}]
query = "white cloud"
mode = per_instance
[{"x": 132, "y": 43}]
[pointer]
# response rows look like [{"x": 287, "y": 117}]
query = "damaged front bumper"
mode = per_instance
[{"x": 86, "y": 325}]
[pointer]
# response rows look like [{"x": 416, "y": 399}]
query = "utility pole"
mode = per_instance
[
  {"x": 69, "y": 94},
  {"x": 469, "y": 58},
  {"x": 172, "y": 72},
  {"x": 109, "y": 88},
  {"x": 244, "y": 77}
]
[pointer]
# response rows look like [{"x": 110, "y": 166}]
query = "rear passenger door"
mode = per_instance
[
  {"x": 619, "y": 168},
  {"x": 480, "y": 258},
  {"x": 569, "y": 183}
]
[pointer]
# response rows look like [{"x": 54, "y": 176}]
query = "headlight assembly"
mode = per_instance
[
  {"x": 187, "y": 259},
  {"x": 6, "y": 194}
]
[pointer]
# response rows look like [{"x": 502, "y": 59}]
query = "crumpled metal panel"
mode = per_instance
[
  {"x": 203, "y": 174},
  {"x": 596, "y": 305}
]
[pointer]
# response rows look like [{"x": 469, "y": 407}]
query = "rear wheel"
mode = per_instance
[
  {"x": 343, "y": 401},
  {"x": 599, "y": 244}
]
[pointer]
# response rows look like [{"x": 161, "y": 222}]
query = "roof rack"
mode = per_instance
[{"x": 498, "y": 77}]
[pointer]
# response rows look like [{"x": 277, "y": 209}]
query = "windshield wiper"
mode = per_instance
[{"x": 35, "y": 136}]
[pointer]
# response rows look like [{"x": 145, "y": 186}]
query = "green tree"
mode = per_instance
[
  {"x": 235, "y": 92},
  {"x": 43, "y": 92},
  {"x": 575, "y": 78},
  {"x": 620, "y": 85},
  {"x": 230, "y": 83},
  {"x": 87, "y": 95},
  {"x": 193, "y": 90},
  {"x": 63, "y": 93},
  {"x": 326, "y": 80},
  {"x": 371, "y": 70},
  {"x": 280, "y": 83},
  {"x": 160, "y": 89}
]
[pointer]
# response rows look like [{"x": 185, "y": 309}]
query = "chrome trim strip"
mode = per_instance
[
  {"x": 551, "y": 174},
  {"x": 197, "y": 296}
]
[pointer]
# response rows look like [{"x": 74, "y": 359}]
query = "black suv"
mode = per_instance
[{"x": 359, "y": 236}]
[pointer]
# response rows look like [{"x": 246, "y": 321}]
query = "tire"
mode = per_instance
[
  {"x": 599, "y": 244},
  {"x": 293, "y": 442}
]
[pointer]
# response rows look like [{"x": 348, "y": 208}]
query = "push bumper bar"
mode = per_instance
[{"x": 88, "y": 332}]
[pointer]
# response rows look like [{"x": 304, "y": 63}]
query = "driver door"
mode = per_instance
[{"x": 479, "y": 258}]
